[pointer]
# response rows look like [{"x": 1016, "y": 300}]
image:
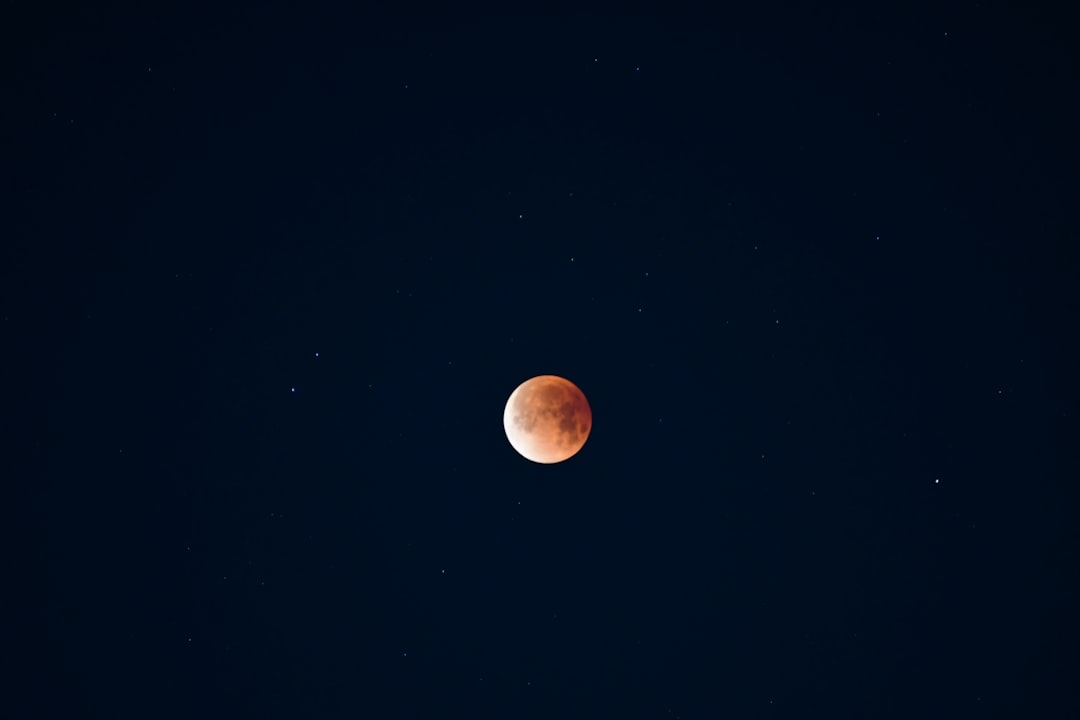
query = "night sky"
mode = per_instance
[{"x": 269, "y": 274}]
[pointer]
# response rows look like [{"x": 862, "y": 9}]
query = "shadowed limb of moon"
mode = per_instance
[{"x": 547, "y": 419}]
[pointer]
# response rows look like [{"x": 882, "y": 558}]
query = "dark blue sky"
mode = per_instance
[{"x": 269, "y": 274}]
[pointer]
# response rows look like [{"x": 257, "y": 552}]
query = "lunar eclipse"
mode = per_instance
[{"x": 547, "y": 419}]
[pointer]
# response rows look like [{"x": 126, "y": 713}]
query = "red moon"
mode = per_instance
[{"x": 547, "y": 419}]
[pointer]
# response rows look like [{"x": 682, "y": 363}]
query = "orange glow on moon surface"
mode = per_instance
[{"x": 547, "y": 419}]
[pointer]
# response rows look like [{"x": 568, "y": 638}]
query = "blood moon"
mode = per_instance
[{"x": 547, "y": 419}]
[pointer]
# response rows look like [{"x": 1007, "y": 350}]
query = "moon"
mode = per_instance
[{"x": 547, "y": 419}]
